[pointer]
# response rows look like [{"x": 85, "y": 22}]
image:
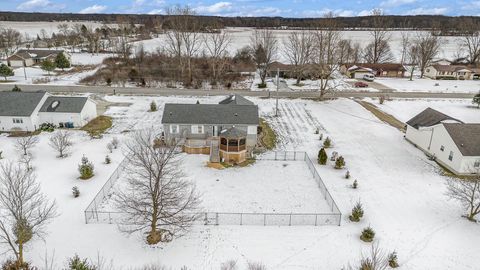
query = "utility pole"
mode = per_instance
[
  {"x": 24, "y": 71},
  {"x": 276, "y": 102}
]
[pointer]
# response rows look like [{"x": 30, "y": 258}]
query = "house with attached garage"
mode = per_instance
[
  {"x": 30, "y": 57},
  {"x": 26, "y": 111},
  {"x": 226, "y": 131},
  {"x": 450, "y": 142}
]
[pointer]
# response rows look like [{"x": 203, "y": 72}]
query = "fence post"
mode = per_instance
[
  {"x": 285, "y": 155},
  {"x": 206, "y": 219},
  {"x": 86, "y": 218},
  {"x": 290, "y": 221},
  {"x": 264, "y": 219},
  {"x": 275, "y": 155},
  {"x": 216, "y": 219},
  {"x": 316, "y": 217},
  {"x": 241, "y": 218},
  {"x": 109, "y": 218},
  {"x": 294, "y": 155}
]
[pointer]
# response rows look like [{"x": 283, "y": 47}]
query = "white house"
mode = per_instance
[
  {"x": 454, "y": 72},
  {"x": 452, "y": 143},
  {"x": 25, "y": 111}
]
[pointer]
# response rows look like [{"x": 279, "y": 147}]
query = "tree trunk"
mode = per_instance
[{"x": 20, "y": 253}]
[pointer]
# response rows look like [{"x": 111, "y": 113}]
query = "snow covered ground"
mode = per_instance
[
  {"x": 35, "y": 75},
  {"x": 429, "y": 85},
  {"x": 405, "y": 109},
  {"x": 402, "y": 192}
]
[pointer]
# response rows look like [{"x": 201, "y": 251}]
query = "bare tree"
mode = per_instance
[
  {"x": 376, "y": 259},
  {"x": 405, "y": 45},
  {"x": 427, "y": 47},
  {"x": 158, "y": 200},
  {"x": 26, "y": 161},
  {"x": 412, "y": 58},
  {"x": 471, "y": 41},
  {"x": 326, "y": 54},
  {"x": 24, "y": 144},
  {"x": 467, "y": 192},
  {"x": 61, "y": 141},
  {"x": 298, "y": 48},
  {"x": 25, "y": 211},
  {"x": 10, "y": 39},
  {"x": 216, "y": 45},
  {"x": 378, "y": 51},
  {"x": 263, "y": 45}
]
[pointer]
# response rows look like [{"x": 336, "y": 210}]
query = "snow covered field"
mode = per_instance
[
  {"x": 402, "y": 192},
  {"x": 405, "y": 109},
  {"x": 429, "y": 85},
  {"x": 35, "y": 75}
]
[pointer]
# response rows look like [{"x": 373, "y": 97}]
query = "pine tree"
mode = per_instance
[
  {"x": 476, "y": 100},
  {"x": 322, "y": 157},
  {"x": 16, "y": 89},
  {"x": 367, "y": 234},
  {"x": 327, "y": 143},
  {"x": 6, "y": 71},
  {"x": 75, "y": 192},
  {"x": 355, "y": 184},
  {"x": 48, "y": 66},
  {"x": 153, "y": 106},
  {"x": 339, "y": 163},
  {"x": 107, "y": 160},
  {"x": 76, "y": 263},
  {"x": 85, "y": 169},
  {"x": 393, "y": 260},
  {"x": 357, "y": 212},
  {"x": 347, "y": 175},
  {"x": 61, "y": 61}
]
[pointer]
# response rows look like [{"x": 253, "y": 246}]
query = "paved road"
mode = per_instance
[{"x": 197, "y": 92}]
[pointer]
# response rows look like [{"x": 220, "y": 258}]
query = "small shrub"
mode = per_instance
[
  {"x": 1, "y": 154},
  {"x": 107, "y": 160},
  {"x": 322, "y": 157},
  {"x": 327, "y": 143},
  {"x": 85, "y": 169},
  {"x": 317, "y": 131},
  {"x": 357, "y": 212},
  {"x": 347, "y": 175},
  {"x": 14, "y": 265},
  {"x": 110, "y": 147},
  {"x": 47, "y": 127},
  {"x": 16, "y": 89},
  {"x": 393, "y": 260},
  {"x": 262, "y": 85},
  {"x": 153, "y": 106},
  {"x": 115, "y": 142},
  {"x": 321, "y": 137},
  {"x": 367, "y": 234},
  {"x": 381, "y": 99},
  {"x": 75, "y": 263},
  {"x": 339, "y": 163},
  {"x": 355, "y": 184},
  {"x": 75, "y": 192}
]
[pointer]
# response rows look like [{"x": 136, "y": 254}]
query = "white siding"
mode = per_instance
[
  {"x": 252, "y": 130},
  {"x": 419, "y": 137}
]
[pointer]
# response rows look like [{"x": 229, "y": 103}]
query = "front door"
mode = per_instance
[{"x": 215, "y": 131}]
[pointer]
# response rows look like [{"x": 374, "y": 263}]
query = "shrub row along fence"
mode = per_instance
[{"x": 93, "y": 215}]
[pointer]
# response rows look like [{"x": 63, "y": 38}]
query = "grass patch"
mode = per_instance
[
  {"x": 385, "y": 117},
  {"x": 98, "y": 126},
  {"x": 16, "y": 134},
  {"x": 268, "y": 138}
]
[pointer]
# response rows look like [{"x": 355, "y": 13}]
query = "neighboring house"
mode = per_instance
[
  {"x": 452, "y": 143},
  {"x": 226, "y": 131},
  {"x": 357, "y": 71},
  {"x": 26, "y": 111},
  {"x": 30, "y": 57},
  {"x": 452, "y": 72},
  {"x": 68, "y": 111},
  {"x": 441, "y": 61}
]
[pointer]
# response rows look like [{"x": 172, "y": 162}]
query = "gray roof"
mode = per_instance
[
  {"x": 64, "y": 104},
  {"x": 429, "y": 117},
  {"x": 19, "y": 103},
  {"x": 233, "y": 132},
  {"x": 466, "y": 137},
  {"x": 237, "y": 100},
  {"x": 216, "y": 114},
  {"x": 38, "y": 53}
]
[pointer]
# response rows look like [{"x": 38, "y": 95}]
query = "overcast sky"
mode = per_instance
[{"x": 285, "y": 8}]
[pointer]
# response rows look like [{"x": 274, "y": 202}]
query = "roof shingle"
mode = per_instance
[
  {"x": 466, "y": 137},
  {"x": 429, "y": 117},
  {"x": 19, "y": 103}
]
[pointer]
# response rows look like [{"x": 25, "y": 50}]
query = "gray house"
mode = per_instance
[{"x": 226, "y": 131}]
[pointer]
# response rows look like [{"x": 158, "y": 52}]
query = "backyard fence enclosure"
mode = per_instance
[{"x": 93, "y": 215}]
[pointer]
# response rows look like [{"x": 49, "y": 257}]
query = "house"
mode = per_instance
[
  {"x": 26, "y": 111},
  {"x": 357, "y": 71},
  {"x": 449, "y": 72},
  {"x": 309, "y": 71},
  {"x": 226, "y": 131},
  {"x": 441, "y": 61},
  {"x": 453, "y": 144},
  {"x": 30, "y": 57}
]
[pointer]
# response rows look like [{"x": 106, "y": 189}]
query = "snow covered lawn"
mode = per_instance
[
  {"x": 402, "y": 193},
  {"x": 405, "y": 109},
  {"x": 429, "y": 85}
]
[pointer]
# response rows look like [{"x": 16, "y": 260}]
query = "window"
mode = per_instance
[
  {"x": 442, "y": 148},
  {"x": 17, "y": 120},
  {"x": 197, "y": 129},
  {"x": 476, "y": 164},
  {"x": 450, "y": 157},
  {"x": 174, "y": 129}
]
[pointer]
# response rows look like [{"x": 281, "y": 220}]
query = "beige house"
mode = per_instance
[
  {"x": 30, "y": 57},
  {"x": 449, "y": 72}
]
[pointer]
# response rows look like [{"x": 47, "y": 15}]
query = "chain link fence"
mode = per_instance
[{"x": 93, "y": 215}]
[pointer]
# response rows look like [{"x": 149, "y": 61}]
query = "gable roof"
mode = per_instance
[
  {"x": 38, "y": 53},
  {"x": 233, "y": 132},
  {"x": 377, "y": 66},
  {"x": 429, "y": 117},
  {"x": 236, "y": 99},
  {"x": 450, "y": 68},
  {"x": 64, "y": 104},
  {"x": 19, "y": 103},
  {"x": 210, "y": 114},
  {"x": 466, "y": 137}
]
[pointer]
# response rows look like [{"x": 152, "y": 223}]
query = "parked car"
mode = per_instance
[
  {"x": 369, "y": 77},
  {"x": 361, "y": 84}
]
